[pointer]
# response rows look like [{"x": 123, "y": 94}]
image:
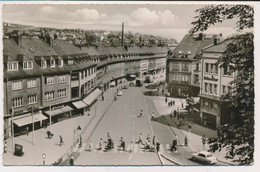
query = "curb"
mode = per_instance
[{"x": 170, "y": 159}]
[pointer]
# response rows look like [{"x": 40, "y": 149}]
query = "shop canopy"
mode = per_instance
[
  {"x": 92, "y": 97},
  {"x": 79, "y": 104},
  {"x": 59, "y": 111},
  {"x": 113, "y": 83},
  {"x": 28, "y": 119}
]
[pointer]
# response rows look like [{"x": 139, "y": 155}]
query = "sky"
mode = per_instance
[{"x": 170, "y": 21}]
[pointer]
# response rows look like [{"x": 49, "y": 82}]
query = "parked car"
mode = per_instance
[
  {"x": 205, "y": 157},
  {"x": 119, "y": 93},
  {"x": 138, "y": 83}
]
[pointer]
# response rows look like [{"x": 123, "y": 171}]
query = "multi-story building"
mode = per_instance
[
  {"x": 214, "y": 85},
  {"x": 183, "y": 65},
  {"x": 52, "y": 79}
]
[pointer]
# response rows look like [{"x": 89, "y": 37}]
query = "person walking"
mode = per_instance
[
  {"x": 80, "y": 141},
  {"x": 189, "y": 127},
  {"x": 186, "y": 141},
  {"x": 140, "y": 139},
  {"x": 131, "y": 147},
  {"x": 72, "y": 161},
  {"x": 203, "y": 140},
  {"x": 5, "y": 147},
  {"x": 90, "y": 146},
  {"x": 157, "y": 145},
  {"x": 61, "y": 140},
  {"x": 153, "y": 142},
  {"x": 141, "y": 113},
  {"x": 100, "y": 144},
  {"x": 148, "y": 137},
  {"x": 174, "y": 144},
  {"x": 153, "y": 116}
]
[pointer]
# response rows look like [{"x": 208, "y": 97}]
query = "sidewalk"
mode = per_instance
[
  {"x": 195, "y": 136},
  {"x": 33, "y": 153}
]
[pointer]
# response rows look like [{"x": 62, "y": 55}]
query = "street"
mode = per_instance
[{"x": 122, "y": 120}]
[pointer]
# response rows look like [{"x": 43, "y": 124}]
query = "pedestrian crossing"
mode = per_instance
[{"x": 136, "y": 148}]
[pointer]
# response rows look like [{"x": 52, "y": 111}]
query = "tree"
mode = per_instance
[{"x": 237, "y": 135}]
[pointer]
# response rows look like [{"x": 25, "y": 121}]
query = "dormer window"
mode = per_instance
[
  {"x": 52, "y": 63},
  {"x": 180, "y": 54},
  {"x": 70, "y": 62},
  {"x": 61, "y": 63},
  {"x": 12, "y": 66},
  {"x": 43, "y": 63},
  {"x": 28, "y": 65}
]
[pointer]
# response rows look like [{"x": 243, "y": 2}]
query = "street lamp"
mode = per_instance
[{"x": 43, "y": 158}]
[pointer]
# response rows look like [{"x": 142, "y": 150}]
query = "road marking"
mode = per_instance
[{"x": 82, "y": 148}]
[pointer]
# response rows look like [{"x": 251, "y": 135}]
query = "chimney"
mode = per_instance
[
  {"x": 49, "y": 40},
  {"x": 123, "y": 34},
  {"x": 216, "y": 41}
]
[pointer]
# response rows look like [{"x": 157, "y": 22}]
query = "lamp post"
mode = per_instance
[
  {"x": 32, "y": 111},
  {"x": 43, "y": 158},
  {"x": 12, "y": 118}
]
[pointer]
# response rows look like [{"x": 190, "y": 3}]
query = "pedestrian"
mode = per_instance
[
  {"x": 5, "y": 147},
  {"x": 189, "y": 127},
  {"x": 102, "y": 97},
  {"x": 72, "y": 161},
  {"x": 163, "y": 91},
  {"x": 90, "y": 146},
  {"x": 173, "y": 102},
  {"x": 166, "y": 99},
  {"x": 131, "y": 147},
  {"x": 174, "y": 143},
  {"x": 61, "y": 140},
  {"x": 203, "y": 140},
  {"x": 153, "y": 116},
  {"x": 182, "y": 105},
  {"x": 148, "y": 137},
  {"x": 141, "y": 113},
  {"x": 153, "y": 141},
  {"x": 140, "y": 139},
  {"x": 169, "y": 104},
  {"x": 80, "y": 141},
  {"x": 186, "y": 141},
  {"x": 27, "y": 130},
  {"x": 158, "y": 145},
  {"x": 175, "y": 113},
  {"x": 100, "y": 144}
]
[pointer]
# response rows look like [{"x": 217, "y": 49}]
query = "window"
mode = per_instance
[
  {"x": 27, "y": 65},
  {"x": 60, "y": 62},
  {"x": 210, "y": 88},
  {"x": 49, "y": 95},
  {"x": 12, "y": 66},
  {"x": 86, "y": 73},
  {"x": 17, "y": 102},
  {"x": 52, "y": 63},
  {"x": 197, "y": 67},
  {"x": 211, "y": 68},
  {"x": 61, "y": 79},
  {"x": 31, "y": 83},
  {"x": 216, "y": 68},
  {"x": 32, "y": 99},
  {"x": 175, "y": 66},
  {"x": 207, "y": 68},
  {"x": 215, "y": 89},
  {"x": 225, "y": 68},
  {"x": 74, "y": 92},
  {"x": 49, "y": 80},
  {"x": 44, "y": 64},
  {"x": 206, "y": 87},
  {"x": 82, "y": 74},
  {"x": 184, "y": 78},
  {"x": 205, "y": 103},
  {"x": 185, "y": 67},
  {"x": 224, "y": 89},
  {"x": 17, "y": 85},
  {"x": 70, "y": 62},
  {"x": 62, "y": 93}
]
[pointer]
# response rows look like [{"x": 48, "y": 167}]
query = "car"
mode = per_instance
[
  {"x": 205, "y": 157},
  {"x": 119, "y": 93},
  {"x": 125, "y": 86}
]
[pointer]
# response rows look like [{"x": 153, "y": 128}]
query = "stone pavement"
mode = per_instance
[
  {"x": 195, "y": 136},
  {"x": 33, "y": 153}
]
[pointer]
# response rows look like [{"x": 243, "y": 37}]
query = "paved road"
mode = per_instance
[{"x": 122, "y": 120}]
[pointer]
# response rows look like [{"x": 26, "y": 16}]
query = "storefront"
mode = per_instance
[
  {"x": 80, "y": 107},
  {"x": 58, "y": 113},
  {"x": 92, "y": 97}
]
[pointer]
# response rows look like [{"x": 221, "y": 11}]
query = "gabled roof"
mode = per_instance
[
  {"x": 190, "y": 44},
  {"x": 92, "y": 51},
  {"x": 10, "y": 50}
]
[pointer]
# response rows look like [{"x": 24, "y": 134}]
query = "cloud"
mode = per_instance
[{"x": 166, "y": 17}]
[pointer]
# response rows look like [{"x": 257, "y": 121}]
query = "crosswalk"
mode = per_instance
[{"x": 136, "y": 148}]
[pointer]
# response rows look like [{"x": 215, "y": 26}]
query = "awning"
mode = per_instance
[
  {"x": 59, "y": 111},
  {"x": 79, "y": 104},
  {"x": 92, "y": 97},
  {"x": 133, "y": 76},
  {"x": 28, "y": 119}
]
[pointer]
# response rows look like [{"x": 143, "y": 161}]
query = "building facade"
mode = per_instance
[{"x": 183, "y": 66}]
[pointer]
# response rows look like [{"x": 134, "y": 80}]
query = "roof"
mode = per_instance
[
  {"x": 219, "y": 48},
  {"x": 192, "y": 45},
  {"x": 63, "y": 47},
  {"x": 10, "y": 50}
]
